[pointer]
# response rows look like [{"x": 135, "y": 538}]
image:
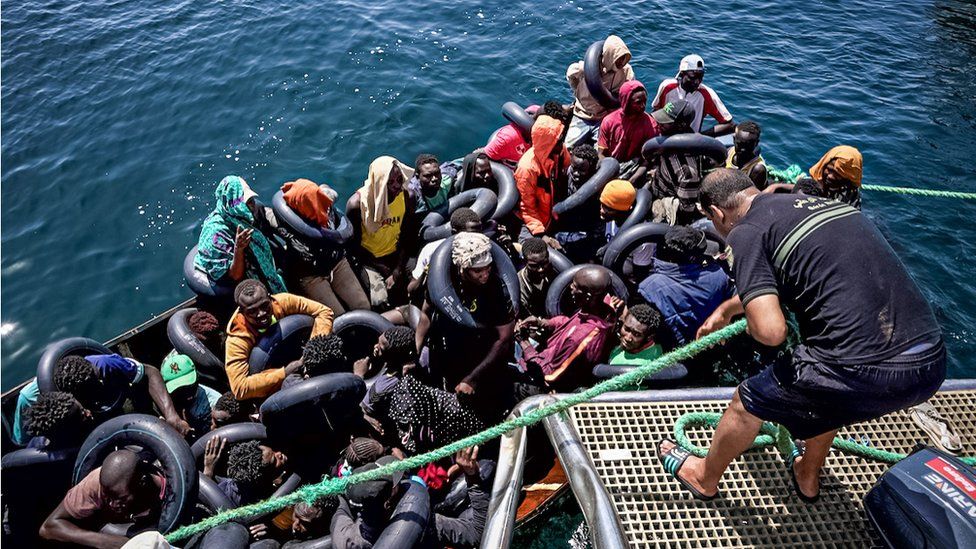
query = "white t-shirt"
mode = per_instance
[{"x": 423, "y": 260}]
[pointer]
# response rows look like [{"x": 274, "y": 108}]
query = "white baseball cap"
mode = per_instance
[{"x": 692, "y": 62}]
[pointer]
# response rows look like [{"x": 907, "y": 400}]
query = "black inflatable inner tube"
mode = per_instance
[
  {"x": 558, "y": 291},
  {"x": 229, "y": 535},
  {"x": 482, "y": 201},
  {"x": 593, "y": 76},
  {"x": 339, "y": 235},
  {"x": 211, "y": 496},
  {"x": 444, "y": 295},
  {"x": 558, "y": 260},
  {"x": 664, "y": 378},
  {"x": 606, "y": 170},
  {"x": 200, "y": 282},
  {"x": 80, "y": 346},
  {"x": 641, "y": 211},
  {"x": 627, "y": 240},
  {"x": 321, "y": 404},
  {"x": 522, "y": 120},
  {"x": 209, "y": 366},
  {"x": 235, "y": 432},
  {"x": 359, "y": 331},
  {"x": 409, "y": 521},
  {"x": 163, "y": 442},
  {"x": 686, "y": 143},
  {"x": 508, "y": 195},
  {"x": 281, "y": 344}
]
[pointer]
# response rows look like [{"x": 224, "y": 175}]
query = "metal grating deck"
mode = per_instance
[{"x": 757, "y": 507}]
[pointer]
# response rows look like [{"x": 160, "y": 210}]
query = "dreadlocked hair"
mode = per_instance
[
  {"x": 402, "y": 342},
  {"x": 363, "y": 450},
  {"x": 324, "y": 355},
  {"x": 245, "y": 464},
  {"x": 54, "y": 415},
  {"x": 203, "y": 325},
  {"x": 646, "y": 315},
  {"x": 74, "y": 374},
  {"x": 248, "y": 288}
]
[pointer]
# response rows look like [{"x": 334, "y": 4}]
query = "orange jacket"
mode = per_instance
[
  {"x": 241, "y": 338},
  {"x": 538, "y": 173}
]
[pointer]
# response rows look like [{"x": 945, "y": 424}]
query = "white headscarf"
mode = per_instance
[{"x": 471, "y": 251}]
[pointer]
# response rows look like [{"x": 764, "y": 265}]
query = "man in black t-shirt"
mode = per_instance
[{"x": 870, "y": 343}]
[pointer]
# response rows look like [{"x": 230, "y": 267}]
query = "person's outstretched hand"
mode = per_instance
[
  {"x": 211, "y": 454},
  {"x": 467, "y": 460}
]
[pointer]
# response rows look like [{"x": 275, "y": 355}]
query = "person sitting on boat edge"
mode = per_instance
[
  {"x": 193, "y": 401},
  {"x": 231, "y": 246},
  {"x": 624, "y": 132},
  {"x": 463, "y": 220},
  {"x": 836, "y": 175},
  {"x": 541, "y": 179},
  {"x": 636, "y": 333},
  {"x": 432, "y": 184},
  {"x": 97, "y": 380},
  {"x": 384, "y": 230},
  {"x": 323, "y": 354},
  {"x": 122, "y": 489},
  {"x": 615, "y": 70},
  {"x": 870, "y": 344},
  {"x": 256, "y": 313},
  {"x": 744, "y": 153},
  {"x": 486, "y": 350},
  {"x": 578, "y": 230},
  {"x": 683, "y": 286},
  {"x": 675, "y": 178},
  {"x": 320, "y": 266},
  {"x": 570, "y": 345},
  {"x": 687, "y": 86},
  {"x": 535, "y": 277},
  {"x": 57, "y": 420}
]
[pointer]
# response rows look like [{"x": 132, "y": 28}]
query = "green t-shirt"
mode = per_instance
[{"x": 620, "y": 357}]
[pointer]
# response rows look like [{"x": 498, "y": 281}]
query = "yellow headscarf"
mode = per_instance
[
  {"x": 372, "y": 195},
  {"x": 849, "y": 164}
]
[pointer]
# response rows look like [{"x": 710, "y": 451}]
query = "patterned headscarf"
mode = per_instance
[
  {"x": 471, "y": 250},
  {"x": 427, "y": 418},
  {"x": 215, "y": 249}
]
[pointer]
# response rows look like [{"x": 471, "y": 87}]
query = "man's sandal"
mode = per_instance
[
  {"x": 672, "y": 460},
  {"x": 798, "y": 450}
]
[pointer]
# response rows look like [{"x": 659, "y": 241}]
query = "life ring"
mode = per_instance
[
  {"x": 664, "y": 378},
  {"x": 200, "y": 282},
  {"x": 558, "y": 260},
  {"x": 522, "y": 120},
  {"x": 81, "y": 346},
  {"x": 338, "y": 235},
  {"x": 560, "y": 284},
  {"x": 607, "y": 169},
  {"x": 686, "y": 143},
  {"x": 593, "y": 76},
  {"x": 445, "y": 297},
  {"x": 168, "y": 447},
  {"x": 281, "y": 344},
  {"x": 409, "y": 521},
  {"x": 209, "y": 366},
  {"x": 316, "y": 405},
  {"x": 482, "y": 201},
  {"x": 359, "y": 331},
  {"x": 627, "y": 240},
  {"x": 642, "y": 209}
]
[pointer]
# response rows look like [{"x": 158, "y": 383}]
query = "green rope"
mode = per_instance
[
  {"x": 333, "y": 486},
  {"x": 794, "y": 172},
  {"x": 771, "y": 434}
]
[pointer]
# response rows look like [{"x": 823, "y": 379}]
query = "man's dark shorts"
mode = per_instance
[{"x": 810, "y": 398}]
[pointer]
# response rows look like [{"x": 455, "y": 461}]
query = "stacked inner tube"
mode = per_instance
[
  {"x": 593, "y": 76},
  {"x": 686, "y": 143},
  {"x": 339, "y": 235},
  {"x": 607, "y": 169},
  {"x": 209, "y": 366},
  {"x": 558, "y": 290},
  {"x": 484, "y": 202},
  {"x": 167, "y": 447},
  {"x": 281, "y": 344},
  {"x": 444, "y": 295},
  {"x": 319, "y": 405},
  {"x": 200, "y": 282},
  {"x": 627, "y": 240}
]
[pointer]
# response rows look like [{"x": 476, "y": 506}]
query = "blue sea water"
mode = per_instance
[{"x": 119, "y": 117}]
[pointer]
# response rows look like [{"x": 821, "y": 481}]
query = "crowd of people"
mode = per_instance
[{"x": 439, "y": 379}]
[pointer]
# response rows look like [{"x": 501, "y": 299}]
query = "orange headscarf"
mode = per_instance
[
  {"x": 308, "y": 201},
  {"x": 849, "y": 164}
]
